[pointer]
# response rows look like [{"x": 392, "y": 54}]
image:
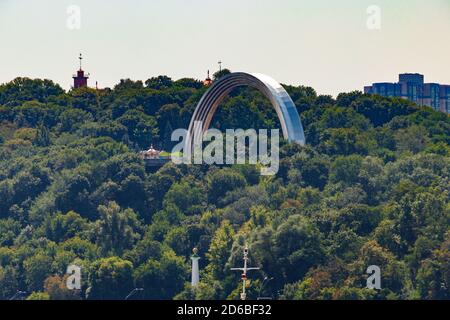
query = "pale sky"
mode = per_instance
[{"x": 320, "y": 43}]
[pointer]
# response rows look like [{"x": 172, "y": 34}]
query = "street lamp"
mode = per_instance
[
  {"x": 265, "y": 281},
  {"x": 17, "y": 294},
  {"x": 133, "y": 292}
]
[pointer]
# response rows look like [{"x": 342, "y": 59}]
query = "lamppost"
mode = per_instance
[
  {"x": 265, "y": 281},
  {"x": 18, "y": 294},
  {"x": 133, "y": 292}
]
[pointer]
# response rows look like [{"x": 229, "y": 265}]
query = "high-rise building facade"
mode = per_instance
[
  {"x": 411, "y": 86},
  {"x": 444, "y": 93}
]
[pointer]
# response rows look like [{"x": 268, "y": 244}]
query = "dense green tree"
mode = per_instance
[
  {"x": 25, "y": 89},
  {"x": 297, "y": 243},
  {"x": 222, "y": 181},
  {"x": 72, "y": 119},
  {"x": 219, "y": 74},
  {"x": 56, "y": 289},
  {"x": 42, "y": 138},
  {"x": 412, "y": 139},
  {"x": 62, "y": 227},
  {"x": 117, "y": 230},
  {"x": 159, "y": 83},
  {"x": 162, "y": 279},
  {"x": 346, "y": 169},
  {"x": 39, "y": 296},
  {"x": 188, "y": 198},
  {"x": 110, "y": 278},
  {"x": 141, "y": 127},
  {"x": 36, "y": 269},
  {"x": 219, "y": 250},
  {"x": 370, "y": 187},
  {"x": 9, "y": 282}
]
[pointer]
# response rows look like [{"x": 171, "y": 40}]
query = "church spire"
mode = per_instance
[
  {"x": 81, "y": 58},
  {"x": 207, "y": 81},
  {"x": 80, "y": 79}
]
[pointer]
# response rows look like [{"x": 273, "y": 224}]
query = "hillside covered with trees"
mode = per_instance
[{"x": 372, "y": 187}]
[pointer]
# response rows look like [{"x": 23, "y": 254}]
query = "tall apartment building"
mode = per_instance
[{"x": 411, "y": 86}]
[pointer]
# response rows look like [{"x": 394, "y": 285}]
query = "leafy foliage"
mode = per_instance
[{"x": 371, "y": 187}]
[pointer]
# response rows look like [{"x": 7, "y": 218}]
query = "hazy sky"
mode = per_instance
[{"x": 322, "y": 43}]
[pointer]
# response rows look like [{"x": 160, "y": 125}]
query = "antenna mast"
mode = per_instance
[
  {"x": 244, "y": 272},
  {"x": 81, "y": 58}
]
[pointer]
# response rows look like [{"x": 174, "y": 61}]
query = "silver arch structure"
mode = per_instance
[{"x": 284, "y": 106}]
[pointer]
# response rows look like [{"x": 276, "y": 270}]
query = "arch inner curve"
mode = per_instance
[{"x": 281, "y": 101}]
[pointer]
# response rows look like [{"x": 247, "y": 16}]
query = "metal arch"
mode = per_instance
[{"x": 281, "y": 101}]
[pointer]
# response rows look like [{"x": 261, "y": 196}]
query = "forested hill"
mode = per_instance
[{"x": 372, "y": 187}]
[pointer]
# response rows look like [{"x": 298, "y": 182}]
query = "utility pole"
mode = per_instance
[
  {"x": 244, "y": 272},
  {"x": 220, "y": 66},
  {"x": 19, "y": 294},
  {"x": 133, "y": 292}
]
